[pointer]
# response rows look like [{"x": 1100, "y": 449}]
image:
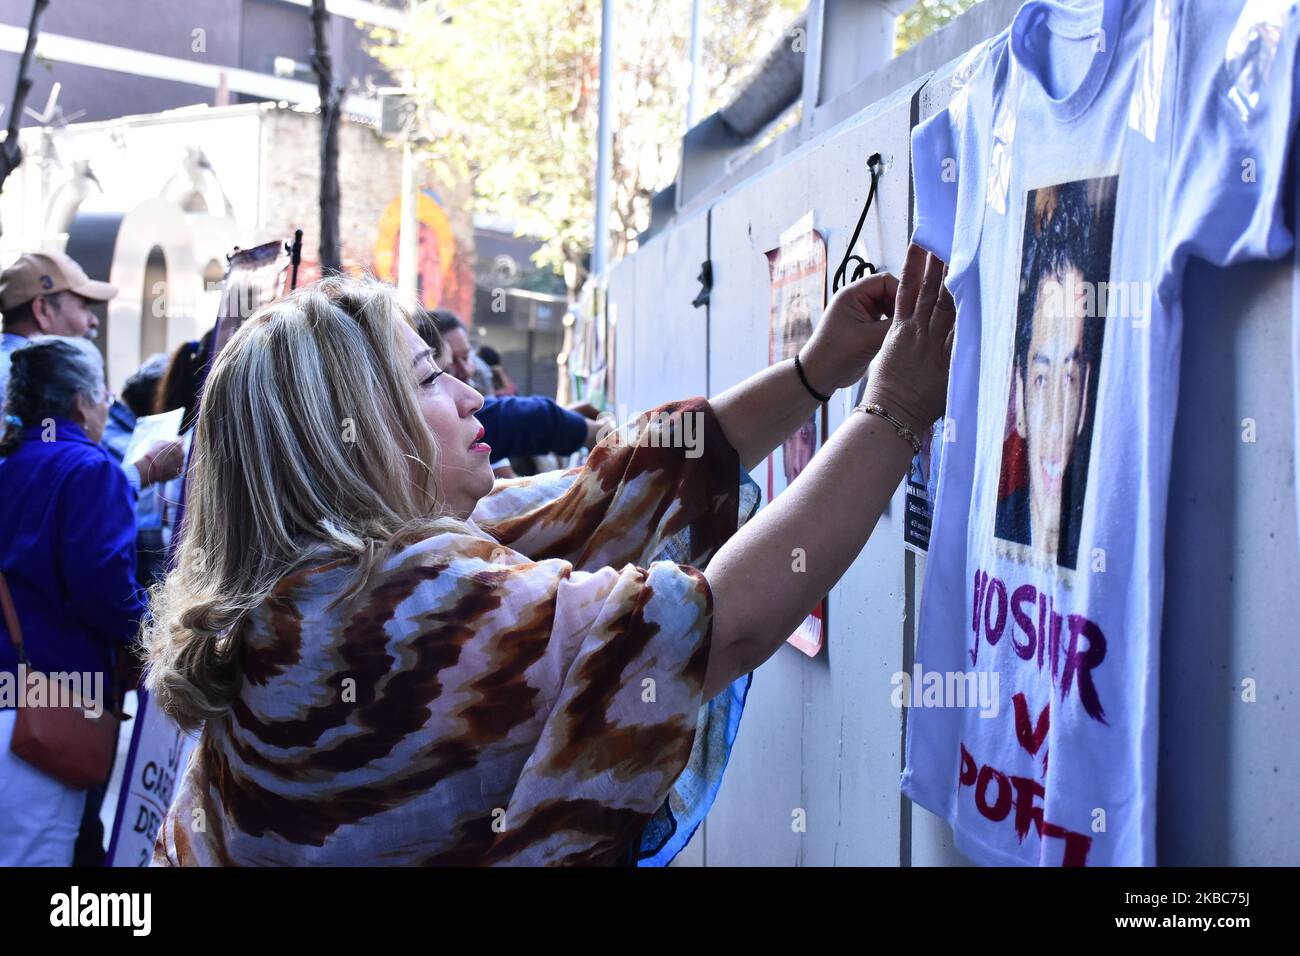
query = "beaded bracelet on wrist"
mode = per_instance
[{"x": 905, "y": 433}]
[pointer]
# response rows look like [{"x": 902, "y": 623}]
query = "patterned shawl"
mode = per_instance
[{"x": 531, "y": 699}]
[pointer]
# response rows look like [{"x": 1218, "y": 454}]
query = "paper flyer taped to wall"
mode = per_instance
[{"x": 797, "y": 275}]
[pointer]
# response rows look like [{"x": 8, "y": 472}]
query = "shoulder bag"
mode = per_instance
[{"x": 65, "y": 742}]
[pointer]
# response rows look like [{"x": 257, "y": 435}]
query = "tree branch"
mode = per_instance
[
  {"x": 331, "y": 97},
  {"x": 11, "y": 154}
]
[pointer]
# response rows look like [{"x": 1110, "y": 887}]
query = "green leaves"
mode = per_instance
[
  {"x": 927, "y": 16},
  {"x": 514, "y": 92}
]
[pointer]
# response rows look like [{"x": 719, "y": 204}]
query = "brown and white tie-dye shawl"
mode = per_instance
[{"x": 531, "y": 699}]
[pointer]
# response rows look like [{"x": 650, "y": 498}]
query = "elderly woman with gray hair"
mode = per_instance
[{"x": 68, "y": 557}]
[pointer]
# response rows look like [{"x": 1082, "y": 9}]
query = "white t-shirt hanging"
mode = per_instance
[{"x": 1089, "y": 149}]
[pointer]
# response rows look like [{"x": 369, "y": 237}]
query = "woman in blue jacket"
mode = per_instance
[{"x": 67, "y": 551}]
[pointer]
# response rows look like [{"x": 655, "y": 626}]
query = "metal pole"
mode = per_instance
[
  {"x": 605, "y": 140},
  {"x": 693, "y": 98},
  {"x": 408, "y": 237},
  {"x": 295, "y": 258},
  {"x": 532, "y": 357}
]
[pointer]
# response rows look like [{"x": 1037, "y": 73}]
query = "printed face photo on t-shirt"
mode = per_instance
[{"x": 1056, "y": 361}]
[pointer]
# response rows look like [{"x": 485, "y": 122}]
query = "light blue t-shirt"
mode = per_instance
[{"x": 1089, "y": 150}]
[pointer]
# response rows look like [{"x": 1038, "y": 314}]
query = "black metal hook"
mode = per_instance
[
  {"x": 705, "y": 278},
  {"x": 862, "y": 266}
]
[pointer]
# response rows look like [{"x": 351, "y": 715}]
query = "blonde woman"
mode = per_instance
[{"x": 395, "y": 661}]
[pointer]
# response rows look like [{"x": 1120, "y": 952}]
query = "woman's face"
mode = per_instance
[
  {"x": 464, "y": 472},
  {"x": 92, "y": 413}
]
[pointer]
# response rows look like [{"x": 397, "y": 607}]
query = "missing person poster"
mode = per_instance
[
  {"x": 797, "y": 275},
  {"x": 922, "y": 484}
]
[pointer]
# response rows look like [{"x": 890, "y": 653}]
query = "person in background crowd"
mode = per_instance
[
  {"x": 481, "y": 381},
  {"x": 46, "y": 293},
  {"x": 501, "y": 383},
  {"x": 459, "y": 356},
  {"x": 516, "y": 425},
  {"x": 183, "y": 380},
  {"x": 68, "y": 530},
  {"x": 179, "y": 388},
  {"x": 137, "y": 401},
  {"x": 470, "y": 367}
]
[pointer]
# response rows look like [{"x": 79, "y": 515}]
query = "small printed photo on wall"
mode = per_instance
[
  {"x": 1055, "y": 370},
  {"x": 797, "y": 282}
]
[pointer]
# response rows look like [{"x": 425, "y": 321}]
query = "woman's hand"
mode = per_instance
[
  {"x": 765, "y": 409},
  {"x": 161, "y": 461},
  {"x": 910, "y": 379},
  {"x": 759, "y": 596},
  {"x": 849, "y": 334}
]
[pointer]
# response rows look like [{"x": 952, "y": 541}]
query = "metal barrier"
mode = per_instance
[{"x": 821, "y": 743}]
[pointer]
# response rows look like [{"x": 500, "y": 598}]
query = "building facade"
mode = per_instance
[
  {"x": 155, "y": 203},
  {"x": 116, "y": 58}
]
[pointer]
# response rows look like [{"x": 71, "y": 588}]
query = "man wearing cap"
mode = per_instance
[{"x": 48, "y": 293}]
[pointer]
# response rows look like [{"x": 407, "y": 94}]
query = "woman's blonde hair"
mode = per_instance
[{"x": 310, "y": 446}]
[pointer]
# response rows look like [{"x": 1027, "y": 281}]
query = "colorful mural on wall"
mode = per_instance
[{"x": 446, "y": 278}]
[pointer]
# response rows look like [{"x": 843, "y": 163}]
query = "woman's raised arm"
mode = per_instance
[{"x": 829, "y": 511}]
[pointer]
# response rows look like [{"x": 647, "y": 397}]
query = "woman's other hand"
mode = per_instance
[
  {"x": 910, "y": 379},
  {"x": 850, "y": 333},
  {"x": 161, "y": 461}
]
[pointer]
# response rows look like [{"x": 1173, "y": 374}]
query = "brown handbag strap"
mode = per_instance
[{"x": 11, "y": 616}]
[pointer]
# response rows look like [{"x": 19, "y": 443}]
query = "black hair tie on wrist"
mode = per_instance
[
  {"x": 862, "y": 266},
  {"x": 798, "y": 367}
]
